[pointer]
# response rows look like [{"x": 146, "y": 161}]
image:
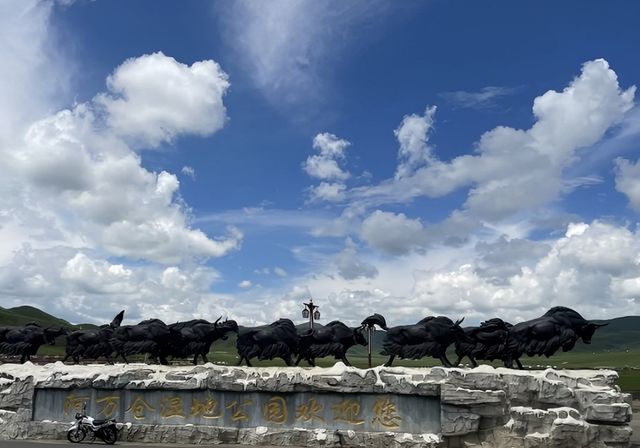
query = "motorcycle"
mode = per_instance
[{"x": 106, "y": 430}]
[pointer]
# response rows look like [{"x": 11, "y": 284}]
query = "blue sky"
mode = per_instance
[{"x": 198, "y": 159}]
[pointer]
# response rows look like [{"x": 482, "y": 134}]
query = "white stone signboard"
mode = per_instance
[{"x": 360, "y": 412}]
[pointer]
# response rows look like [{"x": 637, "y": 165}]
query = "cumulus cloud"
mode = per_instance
[
  {"x": 628, "y": 181},
  {"x": 69, "y": 283},
  {"x": 76, "y": 193},
  {"x": 328, "y": 191},
  {"x": 154, "y": 98},
  {"x": 98, "y": 276},
  {"x": 517, "y": 170},
  {"x": 111, "y": 197},
  {"x": 392, "y": 233},
  {"x": 350, "y": 266},
  {"x": 592, "y": 268},
  {"x": 325, "y": 165},
  {"x": 413, "y": 135},
  {"x": 245, "y": 284}
]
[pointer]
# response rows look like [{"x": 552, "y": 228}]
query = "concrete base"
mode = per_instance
[{"x": 481, "y": 407}]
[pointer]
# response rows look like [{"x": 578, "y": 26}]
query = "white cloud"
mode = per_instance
[
  {"x": 350, "y": 266},
  {"x": 245, "y": 284},
  {"x": 75, "y": 193},
  {"x": 330, "y": 192},
  {"x": 70, "y": 284},
  {"x": 189, "y": 171},
  {"x": 287, "y": 45},
  {"x": 154, "y": 98},
  {"x": 628, "y": 181},
  {"x": 520, "y": 170},
  {"x": 325, "y": 165},
  {"x": 280, "y": 272},
  {"x": 413, "y": 135},
  {"x": 94, "y": 184},
  {"x": 592, "y": 268},
  {"x": 485, "y": 98},
  {"x": 28, "y": 50},
  {"x": 98, "y": 276},
  {"x": 392, "y": 233}
]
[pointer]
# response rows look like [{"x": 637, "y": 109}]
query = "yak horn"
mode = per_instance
[{"x": 458, "y": 322}]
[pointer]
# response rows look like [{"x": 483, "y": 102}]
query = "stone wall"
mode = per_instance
[{"x": 481, "y": 407}]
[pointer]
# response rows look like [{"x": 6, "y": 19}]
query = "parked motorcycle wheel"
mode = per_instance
[
  {"x": 76, "y": 435},
  {"x": 109, "y": 435}
]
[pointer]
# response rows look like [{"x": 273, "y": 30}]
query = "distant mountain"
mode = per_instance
[
  {"x": 621, "y": 333},
  {"x": 22, "y": 315}
]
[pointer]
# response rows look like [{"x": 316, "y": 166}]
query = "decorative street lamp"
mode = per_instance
[{"x": 310, "y": 311}]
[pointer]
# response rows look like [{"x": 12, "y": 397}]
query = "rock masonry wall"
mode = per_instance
[{"x": 482, "y": 407}]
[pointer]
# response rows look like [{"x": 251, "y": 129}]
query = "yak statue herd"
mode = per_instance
[{"x": 494, "y": 339}]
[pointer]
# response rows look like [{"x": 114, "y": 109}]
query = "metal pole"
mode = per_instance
[{"x": 369, "y": 345}]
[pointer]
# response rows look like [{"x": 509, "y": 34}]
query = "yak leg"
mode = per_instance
[
  {"x": 246, "y": 359},
  {"x": 390, "y": 361},
  {"x": 345, "y": 361},
  {"x": 508, "y": 362},
  {"x": 445, "y": 361},
  {"x": 519, "y": 364},
  {"x": 311, "y": 361},
  {"x": 204, "y": 358},
  {"x": 66, "y": 357},
  {"x": 195, "y": 359},
  {"x": 288, "y": 361},
  {"x": 459, "y": 360},
  {"x": 23, "y": 358}
]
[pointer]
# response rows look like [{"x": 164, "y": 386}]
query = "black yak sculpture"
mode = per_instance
[
  {"x": 92, "y": 343},
  {"x": 486, "y": 342},
  {"x": 333, "y": 339},
  {"x": 25, "y": 341},
  {"x": 276, "y": 340},
  {"x": 429, "y": 337},
  {"x": 558, "y": 328},
  {"x": 196, "y": 337},
  {"x": 152, "y": 337}
]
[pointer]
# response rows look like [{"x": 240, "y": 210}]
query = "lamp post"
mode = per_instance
[{"x": 311, "y": 312}]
